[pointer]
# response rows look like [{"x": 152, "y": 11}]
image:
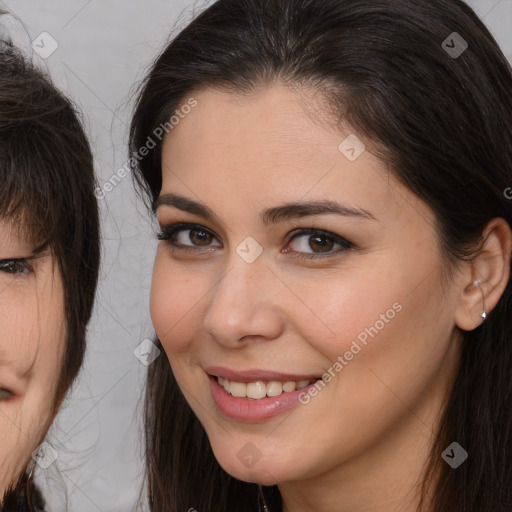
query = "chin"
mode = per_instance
[
  {"x": 254, "y": 475},
  {"x": 246, "y": 466}
]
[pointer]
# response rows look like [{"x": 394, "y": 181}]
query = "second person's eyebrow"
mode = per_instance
[{"x": 271, "y": 215}]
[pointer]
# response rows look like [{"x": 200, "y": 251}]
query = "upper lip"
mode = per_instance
[{"x": 253, "y": 375}]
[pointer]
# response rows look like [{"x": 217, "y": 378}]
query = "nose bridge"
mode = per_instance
[{"x": 241, "y": 303}]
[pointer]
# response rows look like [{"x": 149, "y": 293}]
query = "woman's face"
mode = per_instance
[
  {"x": 296, "y": 256},
  {"x": 32, "y": 342}
]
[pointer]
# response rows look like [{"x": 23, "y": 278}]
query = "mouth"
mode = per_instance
[
  {"x": 260, "y": 389},
  {"x": 256, "y": 395}
]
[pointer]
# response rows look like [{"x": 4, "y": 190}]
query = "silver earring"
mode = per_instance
[{"x": 483, "y": 314}]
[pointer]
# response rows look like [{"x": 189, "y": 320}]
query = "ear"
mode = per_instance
[{"x": 491, "y": 269}]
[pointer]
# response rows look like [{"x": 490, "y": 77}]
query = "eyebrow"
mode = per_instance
[{"x": 271, "y": 215}]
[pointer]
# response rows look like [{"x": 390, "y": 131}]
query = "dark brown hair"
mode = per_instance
[
  {"x": 47, "y": 191},
  {"x": 442, "y": 123}
]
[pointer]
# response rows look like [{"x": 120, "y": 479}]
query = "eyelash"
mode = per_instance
[
  {"x": 13, "y": 266},
  {"x": 168, "y": 234}
]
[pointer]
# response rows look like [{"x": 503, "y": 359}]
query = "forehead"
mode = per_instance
[
  {"x": 272, "y": 117},
  {"x": 23, "y": 229},
  {"x": 274, "y": 145},
  {"x": 14, "y": 235},
  {"x": 269, "y": 137}
]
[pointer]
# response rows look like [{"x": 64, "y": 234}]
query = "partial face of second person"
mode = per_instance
[
  {"x": 289, "y": 314},
  {"x": 32, "y": 344}
]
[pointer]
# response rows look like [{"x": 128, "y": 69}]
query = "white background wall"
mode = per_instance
[{"x": 103, "y": 49}]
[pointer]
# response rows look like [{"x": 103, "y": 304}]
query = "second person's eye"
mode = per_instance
[
  {"x": 15, "y": 267},
  {"x": 5, "y": 395}
]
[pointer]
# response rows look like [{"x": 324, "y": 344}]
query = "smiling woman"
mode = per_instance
[
  {"x": 333, "y": 226},
  {"x": 49, "y": 258}
]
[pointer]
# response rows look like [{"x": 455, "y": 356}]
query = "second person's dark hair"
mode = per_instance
[{"x": 47, "y": 192}]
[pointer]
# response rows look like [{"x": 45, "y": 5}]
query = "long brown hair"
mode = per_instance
[
  {"x": 47, "y": 190},
  {"x": 443, "y": 123}
]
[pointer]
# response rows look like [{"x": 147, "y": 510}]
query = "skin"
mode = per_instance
[
  {"x": 362, "y": 442},
  {"x": 31, "y": 350}
]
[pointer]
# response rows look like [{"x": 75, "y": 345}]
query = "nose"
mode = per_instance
[{"x": 244, "y": 305}]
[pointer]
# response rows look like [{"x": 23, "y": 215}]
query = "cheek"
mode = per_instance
[
  {"x": 15, "y": 450},
  {"x": 342, "y": 308},
  {"x": 386, "y": 298},
  {"x": 34, "y": 335},
  {"x": 369, "y": 329},
  {"x": 388, "y": 342}
]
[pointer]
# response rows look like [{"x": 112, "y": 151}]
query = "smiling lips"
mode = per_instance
[
  {"x": 260, "y": 389},
  {"x": 256, "y": 395}
]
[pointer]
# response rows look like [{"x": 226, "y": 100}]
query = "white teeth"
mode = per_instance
[
  {"x": 260, "y": 389},
  {"x": 224, "y": 383},
  {"x": 274, "y": 388},
  {"x": 289, "y": 386},
  {"x": 238, "y": 389},
  {"x": 256, "y": 390}
]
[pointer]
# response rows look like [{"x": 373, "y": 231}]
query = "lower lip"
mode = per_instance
[{"x": 246, "y": 409}]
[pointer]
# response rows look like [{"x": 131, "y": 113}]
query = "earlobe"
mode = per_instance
[
  {"x": 472, "y": 310},
  {"x": 483, "y": 314},
  {"x": 487, "y": 277}
]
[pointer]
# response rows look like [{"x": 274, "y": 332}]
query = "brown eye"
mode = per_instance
[
  {"x": 313, "y": 243},
  {"x": 320, "y": 243},
  {"x": 188, "y": 236},
  {"x": 200, "y": 237}
]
